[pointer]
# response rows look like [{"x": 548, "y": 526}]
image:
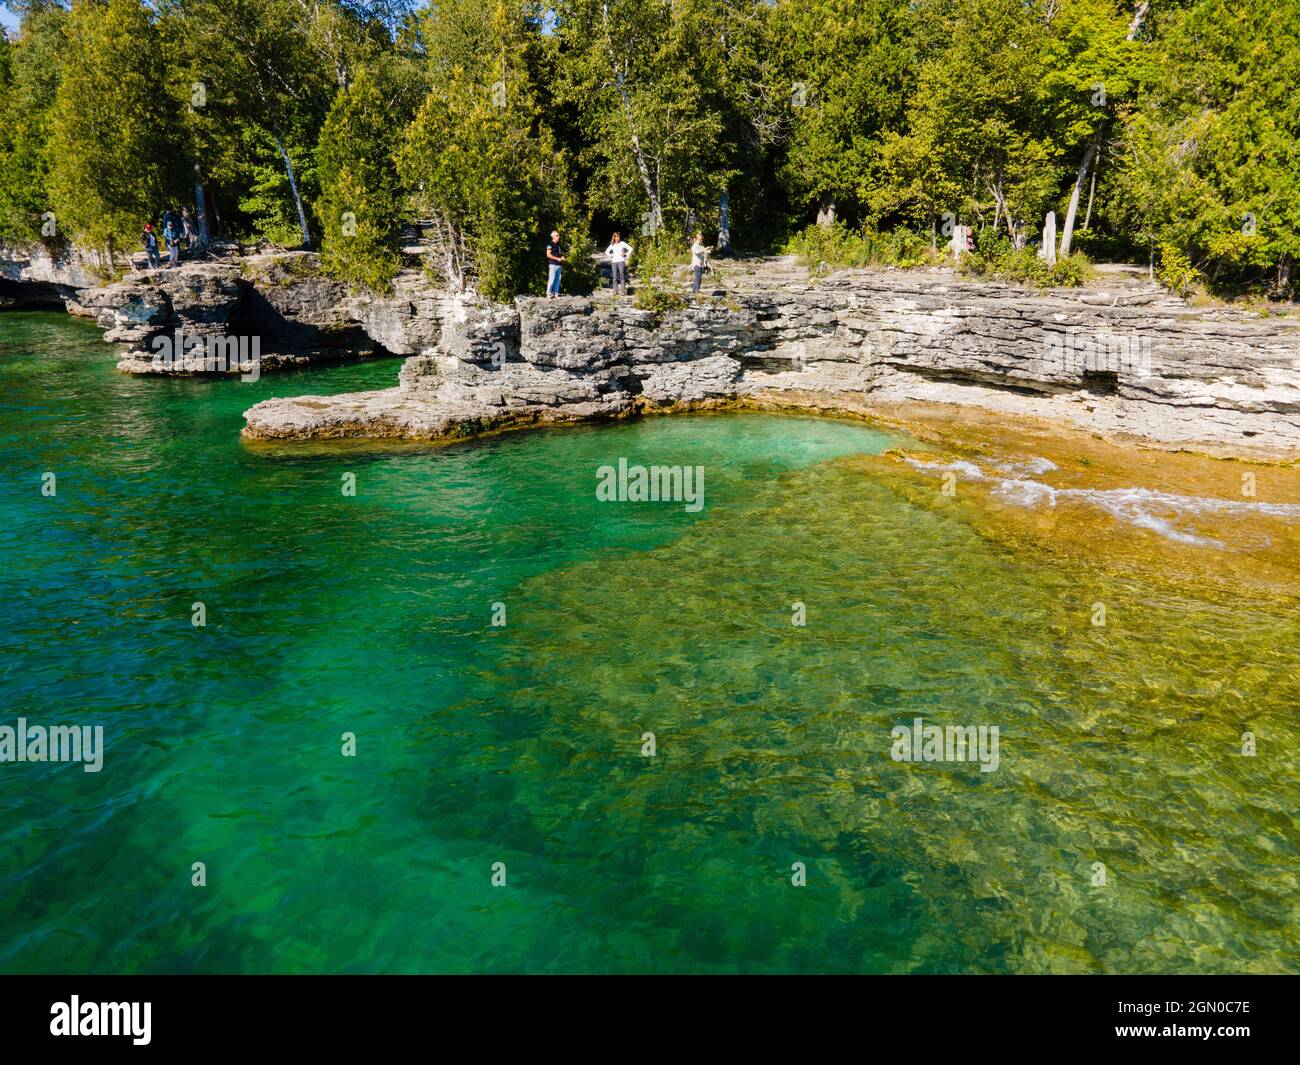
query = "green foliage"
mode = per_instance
[
  {"x": 114, "y": 130},
  {"x": 838, "y": 246},
  {"x": 1212, "y": 151},
  {"x": 1175, "y": 270},
  {"x": 842, "y": 74},
  {"x": 658, "y": 263},
  {"x": 360, "y": 208},
  {"x": 655, "y": 295},
  {"x": 1172, "y": 126},
  {"x": 657, "y": 258},
  {"x": 484, "y": 168},
  {"x": 659, "y": 116},
  {"x": 30, "y": 68},
  {"x": 996, "y": 258}
]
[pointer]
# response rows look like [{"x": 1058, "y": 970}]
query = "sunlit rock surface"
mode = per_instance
[{"x": 1126, "y": 359}]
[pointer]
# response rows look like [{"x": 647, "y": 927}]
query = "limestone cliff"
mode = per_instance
[{"x": 1126, "y": 358}]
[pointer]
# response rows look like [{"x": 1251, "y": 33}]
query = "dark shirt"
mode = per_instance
[
  {"x": 150, "y": 241},
  {"x": 554, "y": 248}
]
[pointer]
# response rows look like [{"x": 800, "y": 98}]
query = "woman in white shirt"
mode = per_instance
[
  {"x": 619, "y": 252},
  {"x": 699, "y": 260}
]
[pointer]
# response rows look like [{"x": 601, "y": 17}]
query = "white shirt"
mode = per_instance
[
  {"x": 699, "y": 254},
  {"x": 619, "y": 252}
]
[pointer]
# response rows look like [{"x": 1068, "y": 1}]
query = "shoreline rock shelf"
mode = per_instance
[
  {"x": 1127, "y": 361},
  {"x": 1121, "y": 358}
]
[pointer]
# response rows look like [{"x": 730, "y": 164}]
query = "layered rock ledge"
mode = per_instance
[
  {"x": 1122, "y": 359},
  {"x": 277, "y": 303}
]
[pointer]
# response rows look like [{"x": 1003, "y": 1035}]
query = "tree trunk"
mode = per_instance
[
  {"x": 1092, "y": 189},
  {"x": 1047, "y": 246},
  {"x": 1138, "y": 16},
  {"x": 293, "y": 186},
  {"x": 1067, "y": 233},
  {"x": 201, "y": 212}
]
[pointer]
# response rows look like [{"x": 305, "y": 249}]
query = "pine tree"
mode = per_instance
[
  {"x": 484, "y": 169},
  {"x": 114, "y": 162},
  {"x": 29, "y": 77},
  {"x": 360, "y": 207}
]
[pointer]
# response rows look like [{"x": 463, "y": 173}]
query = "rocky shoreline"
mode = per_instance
[
  {"x": 1123, "y": 361},
  {"x": 1120, "y": 358}
]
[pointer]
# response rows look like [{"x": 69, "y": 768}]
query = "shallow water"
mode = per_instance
[{"x": 522, "y": 744}]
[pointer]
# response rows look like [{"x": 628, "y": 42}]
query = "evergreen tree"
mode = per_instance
[
  {"x": 114, "y": 129},
  {"x": 1210, "y": 165},
  {"x": 29, "y": 78},
  {"x": 360, "y": 207},
  {"x": 648, "y": 79},
  {"x": 484, "y": 169},
  {"x": 846, "y": 73}
]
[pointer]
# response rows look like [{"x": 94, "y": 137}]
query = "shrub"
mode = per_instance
[
  {"x": 838, "y": 246},
  {"x": 652, "y": 296},
  {"x": 995, "y": 257},
  {"x": 1175, "y": 271}
]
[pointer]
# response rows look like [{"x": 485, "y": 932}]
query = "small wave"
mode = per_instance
[
  {"x": 968, "y": 468},
  {"x": 1146, "y": 508},
  {"x": 1032, "y": 466}
]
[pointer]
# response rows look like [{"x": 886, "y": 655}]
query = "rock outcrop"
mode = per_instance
[
  {"x": 38, "y": 276},
  {"x": 1118, "y": 357},
  {"x": 1126, "y": 358},
  {"x": 279, "y": 303}
]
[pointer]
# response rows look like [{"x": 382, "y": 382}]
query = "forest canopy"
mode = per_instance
[{"x": 1162, "y": 131}]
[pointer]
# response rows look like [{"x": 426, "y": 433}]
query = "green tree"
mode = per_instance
[
  {"x": 1211, "y": 163},
  {"x": 658, "y": 118},
  {"x": 30, "y": 68},
  {"x": 266, "y": 72},
  {"x": 847, "y": 69},
  {"x": 977, "y": 122},
  {"x": 114, "y": 129},
  {"x": 484, "y": 169},
  {"x": 361, "y": 207}
]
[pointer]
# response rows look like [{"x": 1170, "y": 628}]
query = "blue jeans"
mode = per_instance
[{"x": 553, "y": 280}]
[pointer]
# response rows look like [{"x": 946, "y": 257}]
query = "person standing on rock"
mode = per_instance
[
  {"x": 150, "y": 239},
  {"x": 173, "y": 242},
  {"x": 699, "y": 260},
  {"x": 619, "y": 252},
  {"x": 554, "y": 263}
]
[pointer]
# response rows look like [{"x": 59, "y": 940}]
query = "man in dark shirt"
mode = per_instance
[{"x": 554, "y": 261}]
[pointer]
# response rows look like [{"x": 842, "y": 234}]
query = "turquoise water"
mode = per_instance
[{"x": 522, "y": 743}]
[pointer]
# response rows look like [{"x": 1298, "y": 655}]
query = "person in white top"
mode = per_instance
[
  {"x": 619, "y": 252},
  {"x": 699, "y": 260}
]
